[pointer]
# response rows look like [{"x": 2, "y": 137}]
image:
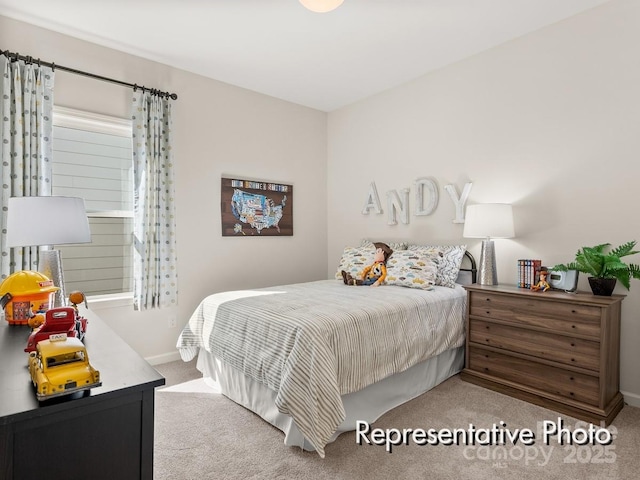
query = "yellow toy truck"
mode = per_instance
[{"x": 60, "y": 366}]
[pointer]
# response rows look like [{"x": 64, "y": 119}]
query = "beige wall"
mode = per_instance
[
  {"x": 219, "y": 130},
  {"x": 549, "y": 122}
]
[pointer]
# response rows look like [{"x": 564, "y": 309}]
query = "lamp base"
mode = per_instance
[
  {"x": 50, "y": 264},
  {"x": 487, "y": 272}
]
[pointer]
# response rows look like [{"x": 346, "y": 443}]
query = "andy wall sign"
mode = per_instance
[{"x": 426, "y": 200}]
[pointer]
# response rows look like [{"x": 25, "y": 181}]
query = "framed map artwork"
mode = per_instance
[{"x": 252, "y": 208}]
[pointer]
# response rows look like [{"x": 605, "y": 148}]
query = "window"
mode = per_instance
[{"x": 92, "y": 159}]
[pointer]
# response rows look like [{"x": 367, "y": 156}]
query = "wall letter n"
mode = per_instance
[{"x": 394, "y": 203}]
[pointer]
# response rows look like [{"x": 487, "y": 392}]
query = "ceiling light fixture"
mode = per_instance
[{"x": 321, "y": 6}]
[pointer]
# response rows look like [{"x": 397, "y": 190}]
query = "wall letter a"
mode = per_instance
[{"x": 373, "y": 201}]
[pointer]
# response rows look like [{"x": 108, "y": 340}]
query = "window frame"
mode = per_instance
[{"x": 110, "y": 125}]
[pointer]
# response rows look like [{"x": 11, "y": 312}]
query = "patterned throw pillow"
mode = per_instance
[
  {"x": 354, "y": 259},
  {"x": 449, "y": 265},
  {"x": 415, "y": 269},
  {"x": 395, "y": 246}
]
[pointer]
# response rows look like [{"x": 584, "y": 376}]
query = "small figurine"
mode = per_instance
[
  {"x": 35, "y": 320},
  {"x": 75, "y": 298},
  {"x": 542, "y": 283},
  {"x": 372, "y": 275}
]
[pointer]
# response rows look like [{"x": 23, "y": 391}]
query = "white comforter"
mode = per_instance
[{"x": 313, "y": 342}]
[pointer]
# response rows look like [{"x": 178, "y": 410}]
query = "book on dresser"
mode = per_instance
[
  {"x": 554, "y": 349},
  {"x": 528, "y": 272}
]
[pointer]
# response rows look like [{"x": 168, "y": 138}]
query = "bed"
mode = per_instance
[{"x": 313, "y": 358}]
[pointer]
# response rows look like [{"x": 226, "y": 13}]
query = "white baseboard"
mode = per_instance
[
  {"x": 164, "y": 358},
  {"x": 631, "y": 399}
]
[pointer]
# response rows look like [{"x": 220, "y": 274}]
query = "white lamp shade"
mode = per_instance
[
  {"x": 489, "y": 220},
  {"x": 321, "y": 6},
  {"x": 35, "y": 221}
]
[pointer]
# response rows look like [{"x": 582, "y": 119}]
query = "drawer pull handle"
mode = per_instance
[
  {"x": 573, "y": 326},
  {"x": 487, "y": 340},
  {"x": 571, "y": 393},
  {"x": 573, "y": 359},
  {"x": 573, "y": 344},
  {"x": 571, "y": 378},
  {"x": 573, "y": 311}
]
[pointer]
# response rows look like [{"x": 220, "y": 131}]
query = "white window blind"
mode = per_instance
[{"x": 92, "y": 160}]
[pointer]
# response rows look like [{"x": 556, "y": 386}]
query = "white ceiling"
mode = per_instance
[{"x": 279, "y": 48}]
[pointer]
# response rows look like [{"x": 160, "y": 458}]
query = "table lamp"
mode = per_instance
[
  {"x": 48, "y": 221},
  {"x": 488, "y": 220}
]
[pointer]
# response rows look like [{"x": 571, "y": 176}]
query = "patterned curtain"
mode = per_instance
[
  {"x": 26, "y": 104},
  {"x": 155, "y": 261}
]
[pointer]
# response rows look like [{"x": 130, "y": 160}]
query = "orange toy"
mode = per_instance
[{"x": 24, "y": 293}]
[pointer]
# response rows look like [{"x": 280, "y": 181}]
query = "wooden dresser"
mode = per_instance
[{"x": 554, "y": 349}]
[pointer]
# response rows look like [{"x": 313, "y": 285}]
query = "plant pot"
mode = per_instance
[{"x": 602, "y": 286}]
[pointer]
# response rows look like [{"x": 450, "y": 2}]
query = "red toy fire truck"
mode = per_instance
[{"x": 59, "y": 320}]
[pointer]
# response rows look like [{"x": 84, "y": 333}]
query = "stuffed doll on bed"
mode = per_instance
[{"x": 374, "y": 274}]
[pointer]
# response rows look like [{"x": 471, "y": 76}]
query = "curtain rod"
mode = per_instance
[{"x": 28, "y": 59}]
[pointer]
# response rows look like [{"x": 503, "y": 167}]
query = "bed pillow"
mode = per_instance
[
  {"x": 395, "y": 246},
  {"x": 449, "y": 265},
  {"x": 413, "y": 269},
  {"x": 354, "y": 259}
]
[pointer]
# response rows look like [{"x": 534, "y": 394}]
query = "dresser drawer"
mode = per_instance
[
  {"x": 553, "y": 380},
  {"x": 555, "y": 316},
  {"x": 550, "y": 346}
]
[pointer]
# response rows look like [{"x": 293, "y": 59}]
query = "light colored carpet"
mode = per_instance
[{"x": 202, "y": 435}]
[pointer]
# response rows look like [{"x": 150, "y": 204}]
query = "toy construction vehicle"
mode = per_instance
[{"x": 60, "y": 366}]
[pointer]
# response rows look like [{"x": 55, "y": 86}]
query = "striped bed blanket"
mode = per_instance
[{"x": 313, "y": 342}]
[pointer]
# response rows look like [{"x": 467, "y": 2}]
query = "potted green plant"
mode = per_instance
[{"x": 604, "y": 268}]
